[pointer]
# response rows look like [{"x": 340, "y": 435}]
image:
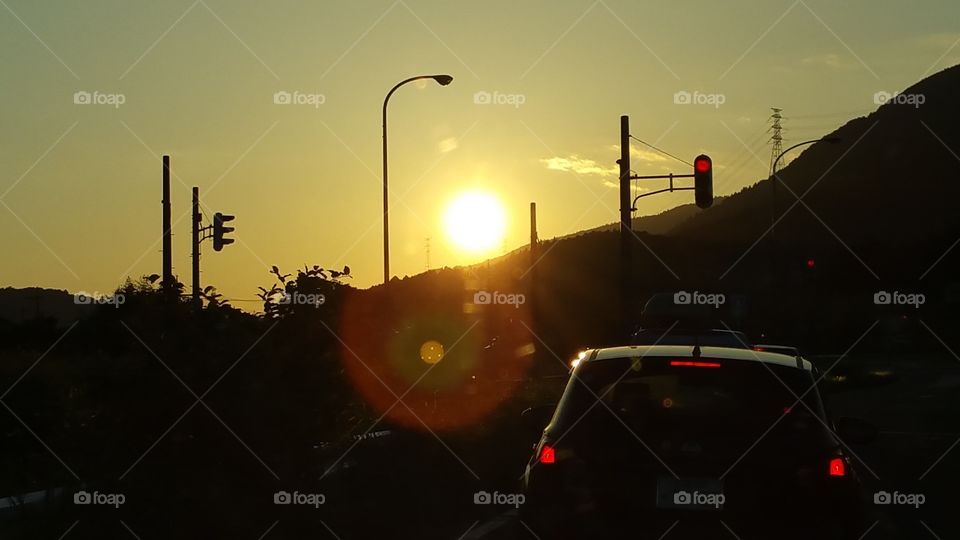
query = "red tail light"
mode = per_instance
[
  {"x": 547, "y": 454},
  {"x": 838, "y": 467},
  {"x": 688, "y": 363}
]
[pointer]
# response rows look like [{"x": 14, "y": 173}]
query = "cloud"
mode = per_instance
[
  {"x": 646, "y": 156},
  {"x": 448, "y": 145},
  {"x": 609, "y": 174},
  {"x": 642, "y": 154},
  {"x": 579, "y": 165},
  {"x": 829, "y": 60},
  {"x": 941, "y": 41}
]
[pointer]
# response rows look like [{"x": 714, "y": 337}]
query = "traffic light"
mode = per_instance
[
  {"x": 219, "y": 230},
  {"x": 703, "y": 180}
]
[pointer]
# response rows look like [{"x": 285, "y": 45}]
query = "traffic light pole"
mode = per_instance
[
  {"x": 703, "y": 186},
  {"x": 168, "y": 280},
  {"x": 671, "y": 189},
  {"x": 195, "y": 233},
  {"x": 626, "y": 225}
]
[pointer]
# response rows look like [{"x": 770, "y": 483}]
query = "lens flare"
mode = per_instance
[{"x": 431, "y": 351}]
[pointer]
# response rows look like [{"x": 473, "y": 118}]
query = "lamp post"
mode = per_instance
[
  {"x": 442, "y": 80},
  {"x": 773, "y": 199},
  {"x": 774, "y": 179}
]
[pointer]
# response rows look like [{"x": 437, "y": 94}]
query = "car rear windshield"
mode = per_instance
[
  {"x": 649, "y": 336},
  {"x": 667, "y": 397}
]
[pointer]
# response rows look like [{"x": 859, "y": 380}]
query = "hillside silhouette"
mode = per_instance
[
  {"x": 891, "y": 180},
  {"x": 663, "y": 223}
]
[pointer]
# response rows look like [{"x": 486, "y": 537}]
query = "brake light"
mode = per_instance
[
  {"x": 838, "y": 467},
  {"x": 758, "y": 348},
  {"x": 689, "y": 363},
  {"x": 547, "y": 454}
]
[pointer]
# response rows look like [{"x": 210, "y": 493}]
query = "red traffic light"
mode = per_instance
[
  {"x": 703, "y": 180},
  {"x": 702, "y": 164}
]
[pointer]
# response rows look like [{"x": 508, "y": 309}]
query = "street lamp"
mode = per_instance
[
  {"x": 774, "y": 179},
  {"x": 442, "y": 80},
  {"x": 773, "y": 198}
]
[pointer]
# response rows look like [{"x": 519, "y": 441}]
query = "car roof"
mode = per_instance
[{"x": 686, "y": 351}]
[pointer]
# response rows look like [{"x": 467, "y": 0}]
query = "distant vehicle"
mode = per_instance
[
  {"x": 646, "y": 438},
  {"x": 693, "y": 310},
  {"x": 667, "y": 320}
]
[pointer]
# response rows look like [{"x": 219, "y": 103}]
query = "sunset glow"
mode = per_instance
[{"x": 475, "y": 222}]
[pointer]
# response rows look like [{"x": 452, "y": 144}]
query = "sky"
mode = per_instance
[{"x": 93, "y": 93}]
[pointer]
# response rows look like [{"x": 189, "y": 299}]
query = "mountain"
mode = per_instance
[
  {"x": 663, "y": 223},
  {"x": 18, "y": 305},
  {"x": 891, "y": 183}
]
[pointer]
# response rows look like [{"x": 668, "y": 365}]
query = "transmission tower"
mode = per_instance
[
  {"x": 777, "y": 138},
  {"x": 428, "y": 254}
]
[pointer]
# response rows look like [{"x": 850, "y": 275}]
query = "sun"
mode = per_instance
[{"x": 475, "y": 221}]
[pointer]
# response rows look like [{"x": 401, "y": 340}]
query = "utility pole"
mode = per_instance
[
  {"x": 532, "y": 269},
  {"x": 776, "y": 141},
  {"x": 626, "y": 290},
  {"x": 167, "y": 283},
  {"x": 428, "y": 253},
  {"x": 702, "y": 188},
  {"x": 533, "y": 235},
  {"x": 195, "y": 235},
  {"x": 777, "y": 148}
]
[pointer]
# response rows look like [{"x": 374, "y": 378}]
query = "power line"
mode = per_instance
[
  {"x": 661, "y": 151},
  {"x": 830, "y": 115}
]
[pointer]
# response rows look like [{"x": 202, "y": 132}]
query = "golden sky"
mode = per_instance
[{"x": 532, "y": 115}]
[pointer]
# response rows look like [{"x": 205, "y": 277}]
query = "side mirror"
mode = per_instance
[
  {"x": 536, "y": 418},
  {"x": 856, "y": 430}
]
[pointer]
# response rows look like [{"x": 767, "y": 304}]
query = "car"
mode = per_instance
[{"x": 699, "y": 440}]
